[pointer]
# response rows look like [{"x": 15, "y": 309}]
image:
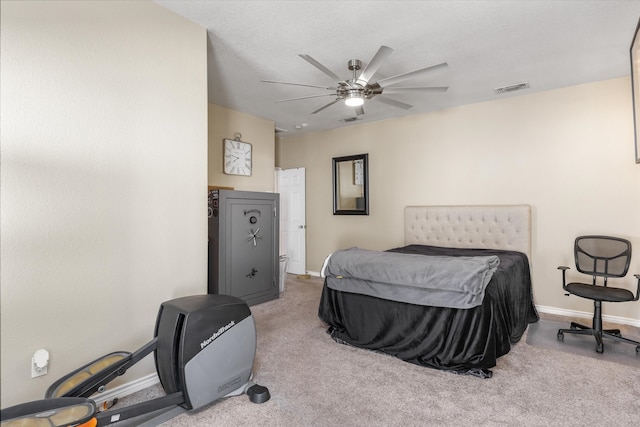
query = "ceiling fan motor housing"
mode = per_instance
[{"x": 354, "y": 64}]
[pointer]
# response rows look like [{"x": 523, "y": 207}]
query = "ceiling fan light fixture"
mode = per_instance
[
  {"x": 355, "y": 90},
  {"x": 354, "y": 100}
]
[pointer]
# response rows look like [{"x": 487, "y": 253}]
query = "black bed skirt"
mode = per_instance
[{"x": 463, "y": 341}]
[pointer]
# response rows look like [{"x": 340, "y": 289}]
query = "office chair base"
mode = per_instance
[{"x": 598, "y": 333}]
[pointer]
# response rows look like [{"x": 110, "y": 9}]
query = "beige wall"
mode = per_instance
[
  {"x": 104, "y": 168},
  {"x": 104, "y": 162},
  {"x": 568, "y": 153},
  {"x": 260, "y": 133}
]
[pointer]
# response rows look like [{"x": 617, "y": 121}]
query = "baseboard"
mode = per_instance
[
  {"x": 585, "y": 315},
  {"x": 313, "y": 273},
  {"x": 125, "y": 389}
]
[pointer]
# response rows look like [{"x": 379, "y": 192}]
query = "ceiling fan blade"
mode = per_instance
[
  {"x": 378, "y": 59},
  {"x": 392, "y": 102},
  {"x": 350, "y": 119},
  {"x": 306, "y": 97},
  {"x": 320, "y": 67},
  {"x": 298, "y": 84},
  {"x": 415, "y": 89},
  {"x": 400, "y": 77},
  {"x": 326, "y": 106}
]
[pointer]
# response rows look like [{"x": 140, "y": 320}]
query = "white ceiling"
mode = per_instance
[{"x": 487, "y": 44}]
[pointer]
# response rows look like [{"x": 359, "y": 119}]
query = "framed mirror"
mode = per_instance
[{"x": 351, "y": 185}]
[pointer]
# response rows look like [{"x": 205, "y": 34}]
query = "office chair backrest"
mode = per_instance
[{"x": 602, "y": 255}]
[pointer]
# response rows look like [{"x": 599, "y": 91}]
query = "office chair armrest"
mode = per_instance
[
  {"x": 564, "y": 269},
  {"x": 637, "y": 276}
]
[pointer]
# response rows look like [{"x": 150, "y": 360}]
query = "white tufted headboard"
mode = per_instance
[{"x": 493, "y": 227}]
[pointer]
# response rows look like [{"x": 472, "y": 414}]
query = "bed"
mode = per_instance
[{"x": 466, "y": 337}]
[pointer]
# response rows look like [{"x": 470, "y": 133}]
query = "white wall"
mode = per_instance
[
  {"x": 568, "y": 153},
  {"x": 103, "y": 174}
]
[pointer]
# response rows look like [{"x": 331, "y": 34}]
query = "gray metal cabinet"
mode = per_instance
[{"x": 243, "y": 244}]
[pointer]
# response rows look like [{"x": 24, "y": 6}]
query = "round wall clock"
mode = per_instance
[{"x": 237, "y": 157}]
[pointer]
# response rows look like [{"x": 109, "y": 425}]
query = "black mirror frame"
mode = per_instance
[
  {"x": 365, "y": 164},
  {"x": 634, "y": 52}
]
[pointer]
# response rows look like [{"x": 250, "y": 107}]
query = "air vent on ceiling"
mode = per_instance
[{"x": 511, "y": 88}]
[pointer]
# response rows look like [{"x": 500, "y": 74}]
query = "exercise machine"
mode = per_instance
[{"x": 204, "y": 348}]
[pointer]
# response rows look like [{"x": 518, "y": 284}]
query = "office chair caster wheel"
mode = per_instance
[
  {"x": 599, "y": 348},
  {"x": 638, "y": 349},
  {"x": 560, "y": 336}
]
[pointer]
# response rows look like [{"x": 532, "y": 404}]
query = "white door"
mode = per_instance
[{"x": 291, "y": 185}]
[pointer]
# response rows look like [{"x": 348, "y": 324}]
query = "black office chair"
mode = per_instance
[{"x": 600, "y": 256}]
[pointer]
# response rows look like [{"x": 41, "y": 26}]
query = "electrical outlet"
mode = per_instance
[
  {"x": 37, "y": 372},
  {"x": 39, "y": 363}
]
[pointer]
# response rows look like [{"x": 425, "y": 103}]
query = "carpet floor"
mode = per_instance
[
  {"x": 315, "y": 381},
  {"x": 544, "y": 335}
]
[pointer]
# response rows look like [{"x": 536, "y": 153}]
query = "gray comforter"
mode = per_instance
[{"x": 455, "y": 282}]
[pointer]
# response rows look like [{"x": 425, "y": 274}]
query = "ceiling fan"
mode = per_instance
[{"x": 360, "y": 87}]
